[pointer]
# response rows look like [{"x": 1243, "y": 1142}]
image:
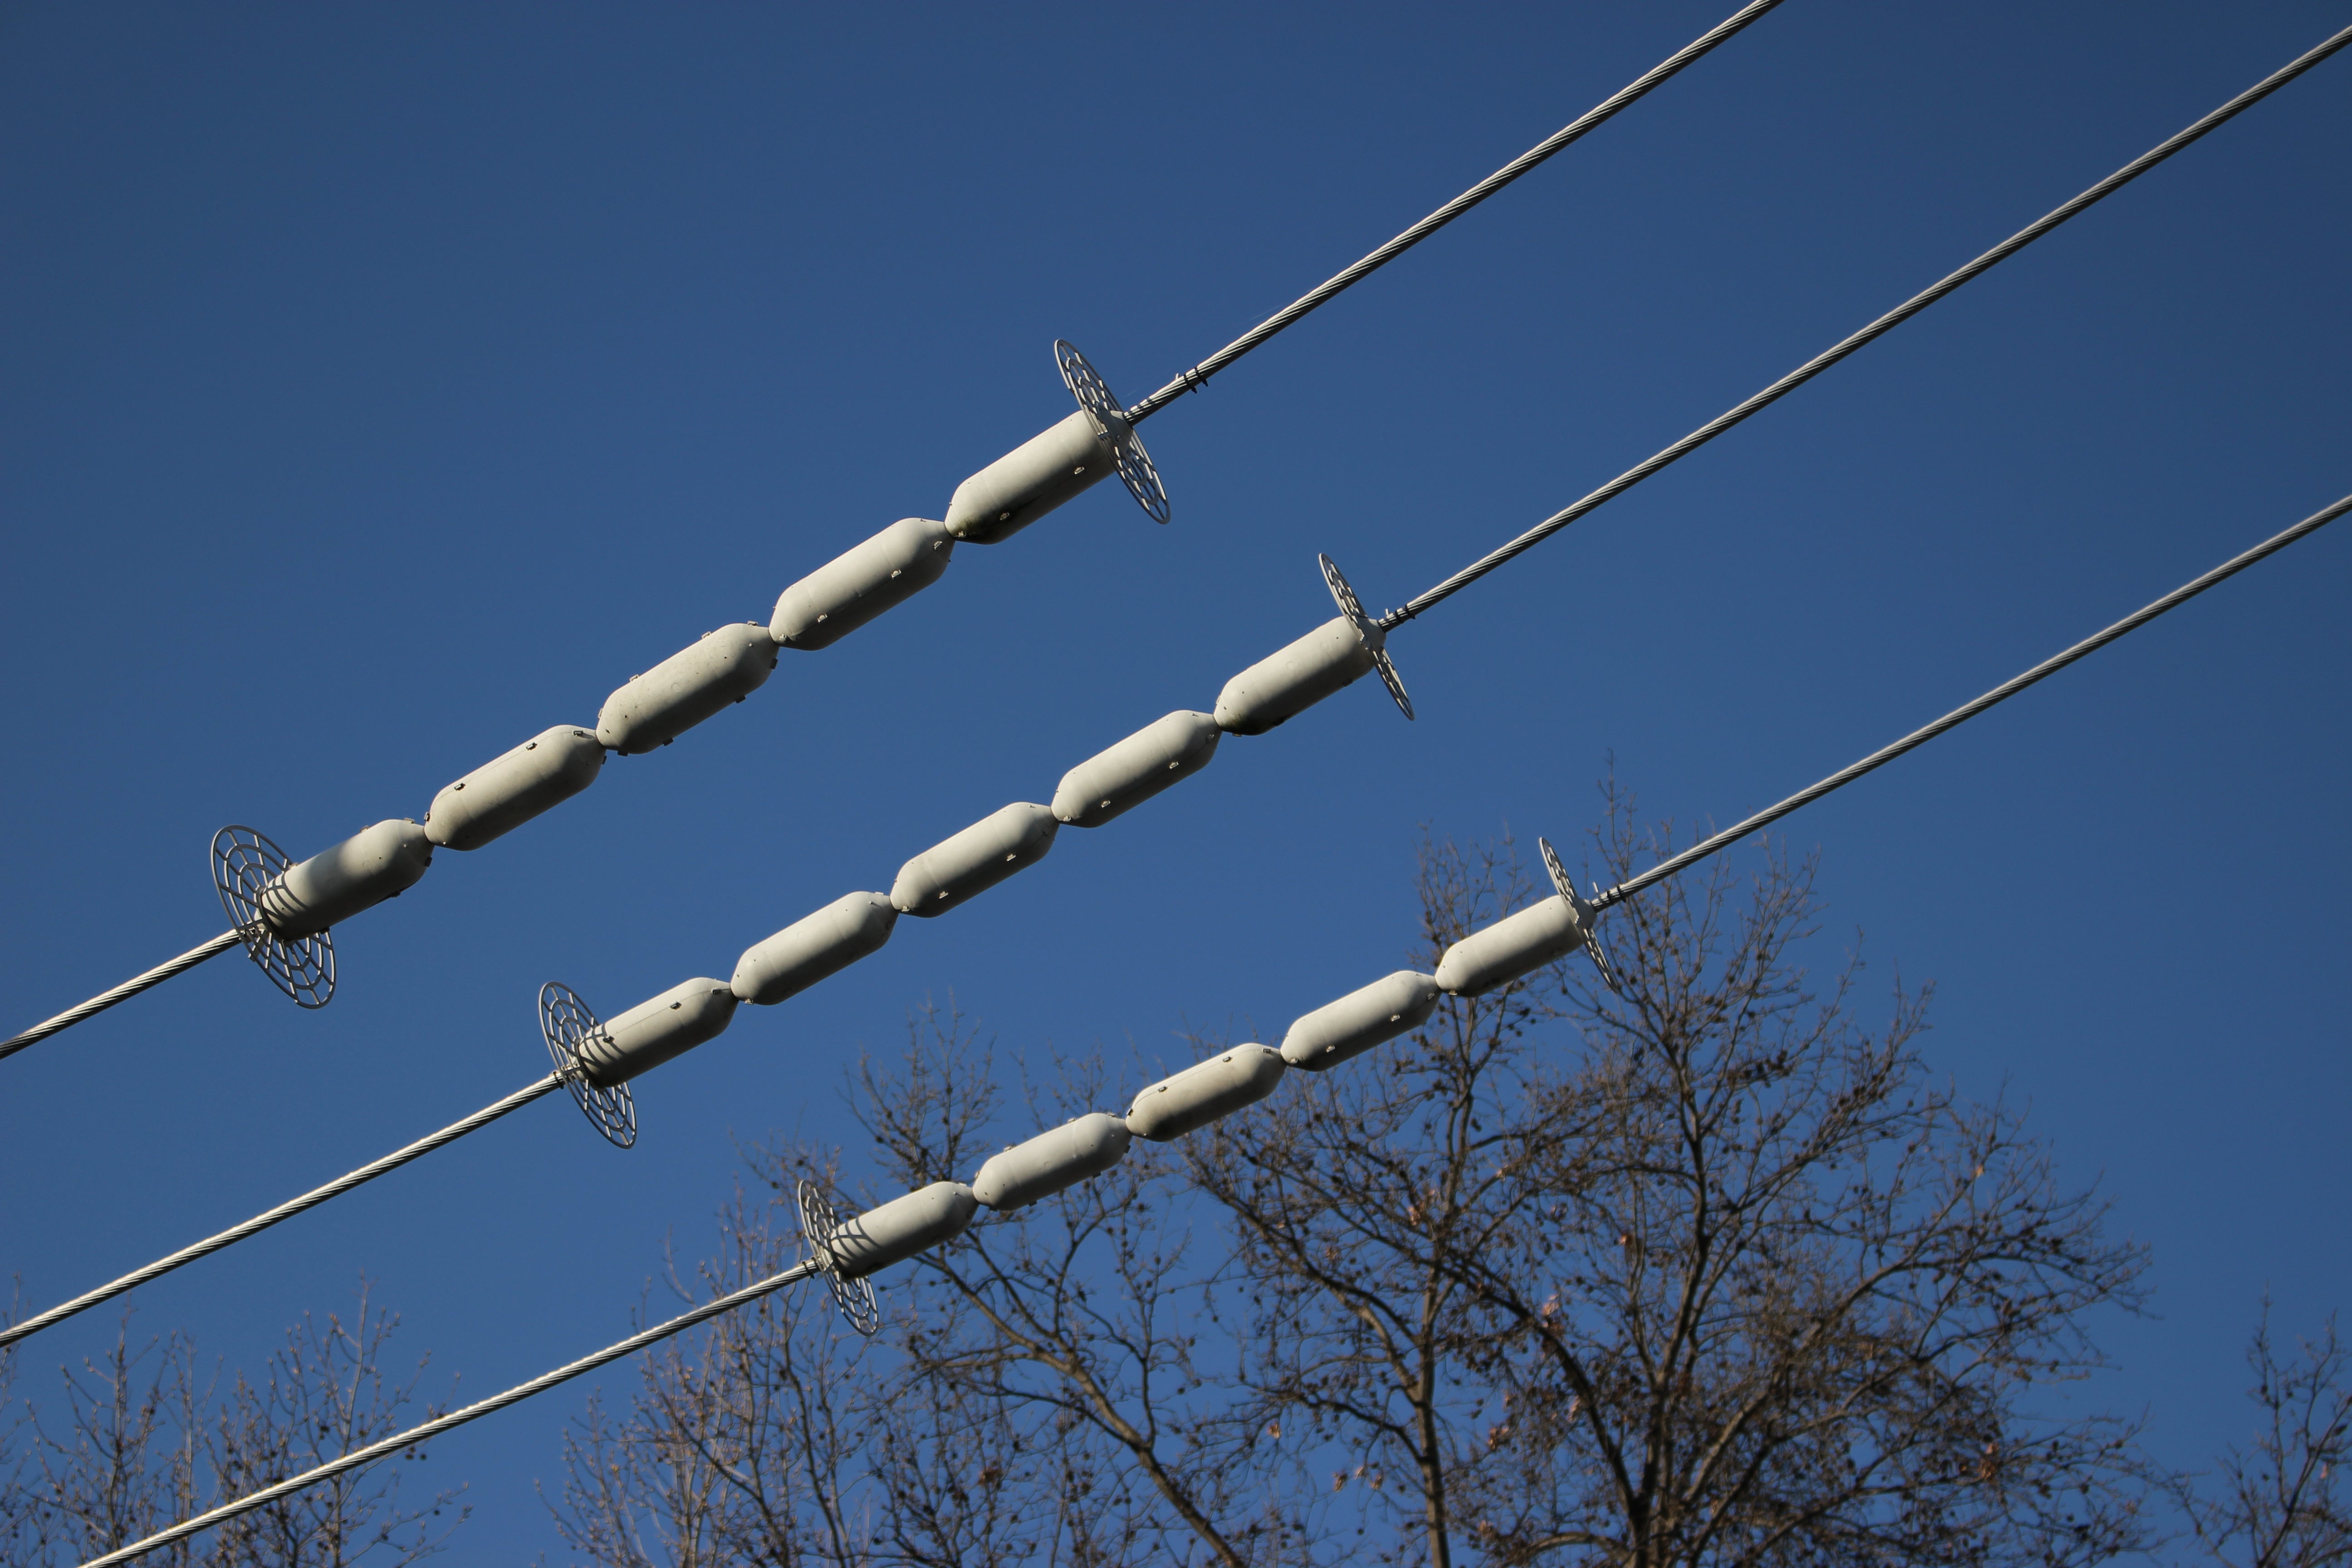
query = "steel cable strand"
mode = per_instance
[
  {"x": 1198, "y": 376},
  {"x": 123, "y": 993},
  {"x": 434, "y": 1427},
  {"x": 1960, "y": 715},
  {"x": 286, "y": 1210},
  {"x": 1877, "y": 328}
]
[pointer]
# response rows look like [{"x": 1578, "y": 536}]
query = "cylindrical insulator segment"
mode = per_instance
[
  {"x": 974, "y": 860},
  {"x": 507, "y": 791},
  {"x": 853, "y": 587},
  {"x": 900, "y": 1229},
  {"x": 1033, "y": 479},
  {"x": 652, "y": 1032},
  {"x": 1052, "y": 1161},
  {"x": 1205, "y": 1091},
  {"x": 1361, "y": 1020},
  {"x": 1293, "y": 679},
  {"x": 1138, "y": 768},
  {"x": 687, "y": 687},
  {"x": 1512, "y": 947},
  {"x": 815, "y": 946},
  {"x": 370, "y": 865}
]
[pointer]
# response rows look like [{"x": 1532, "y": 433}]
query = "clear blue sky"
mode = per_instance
[{"x": 384, "y": 385}]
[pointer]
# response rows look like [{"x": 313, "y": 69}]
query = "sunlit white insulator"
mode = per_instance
[
  {"x": 1292, "y": 680},
  {"x": 509, "y": 790},
  {"x": 1128, "y": 775},
  {"x": 1052, "y": 1161},
  {"x": 853, "y": 587},
  {"x": 687, "y": 687},
  {"x": 1361, "y": 1020},
  {"x": 370, "y": 865},
  {"x": 655, "y": 1030},
  {"x": 1205, "y": 1091},
  {"x": 815, "y": 946},
  {"x": 974, "y": 860},
  {"x": 900, "y": 1229},
  {"x": 1035, "y": 477},
  {"x": 1512, "y": 947}
]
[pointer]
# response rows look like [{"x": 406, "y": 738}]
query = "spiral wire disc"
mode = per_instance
[
  {"x": 567, "y": 1023},
  {"x": 1135, "y": 468},
  {"x": 1586, "y": 915},
  {"x": 1375, "y": 641},
  {"x": 244, "y": 863},
  {"x": 854, "y": 1297}
]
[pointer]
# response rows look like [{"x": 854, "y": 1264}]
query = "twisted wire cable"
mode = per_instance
[
  {"x": 2001, "y": 693},
  {"x": 434, "y": 1428},
  {"x": 1877, "y": 328},
  {"x": 286, "y": 1210},
  {"x": 123, "y": 993},
  {"x": 1194, "y": 378}
]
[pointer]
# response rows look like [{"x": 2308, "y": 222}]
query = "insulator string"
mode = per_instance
[
  {"x": 1877, "y": 328},
  {"x": 1614, "y": 895},
  {"x": 1960, "y": 715},
  {"x": 1633, "y": 476},
  {"x": 415, "y": 1435},
  {"x": 1192, "y": 378},
  {"x": 286, "y": 1210},
  {"x": 1198, "y": 376}
]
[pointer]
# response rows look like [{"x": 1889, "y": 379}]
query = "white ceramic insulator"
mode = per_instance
[
  {"x": 509, "y": 790},
  {"x": 1361, "y": 1020},
  {"x": 1052, "y": 1161},
  {"x": 1205, "y": 1091},
  {"x": 813, "y": 947},
  {"x": 1138, "y": 768},
  {"x": 1511, "y": 947},
  {"x": 853, "y": 587},
  {"x": 652, "y": 1032},
  {"x": 687, "y": 687},
  {"x": 900, "y": 1229},
  {"x": 974, "y": 860},
  {"x": 370, "y": 865},
  {"x": 1292, "y": 680},
  {"x": 1033, "y": 479}
]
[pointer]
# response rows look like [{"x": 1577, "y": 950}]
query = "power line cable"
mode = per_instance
[
  {"x": 1054, "y": 1160},
  {"x": 1960, "y": 715},
  {"x": 286, "y": 1210},
  {"x": 123, "y": 993},
  {"x": 455, "y": 1418},
  {"x": 1877, "y": 328},
  {"x": 1192, "y": 380}
]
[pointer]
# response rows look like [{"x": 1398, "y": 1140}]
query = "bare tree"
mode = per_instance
[
  {"x": 1358, "y": 1198},
  {"x": 129, "y": 1461},
  {"x": 2278, "y": 1505},
  {"x": 1073, "y": 1329},
  {"x": 1732, "y": 1281},
  {"x": 744, "y": 1440},
  {"x": 141, "y": 1444},
  {"x": 1035, "y": 1396},
  {"x": 1709, "y": 1272}
]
